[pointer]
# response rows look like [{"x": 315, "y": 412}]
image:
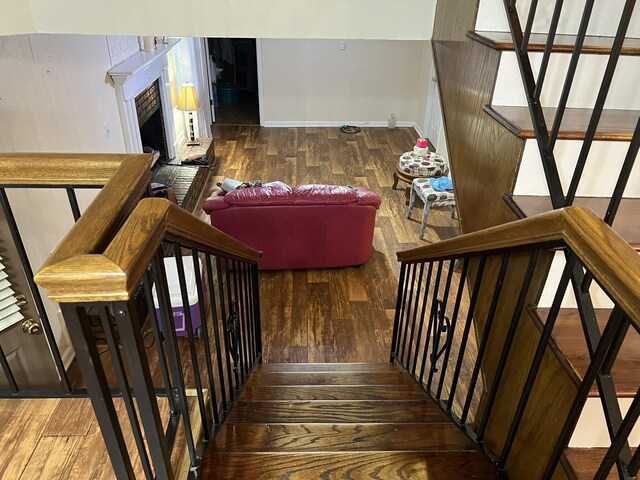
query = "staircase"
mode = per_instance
[{"x": 343, "y": 421}]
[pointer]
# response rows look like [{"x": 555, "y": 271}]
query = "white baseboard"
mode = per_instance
[
  {"x": 418, "y": 130},
  {"x": 324, "y": 123}
]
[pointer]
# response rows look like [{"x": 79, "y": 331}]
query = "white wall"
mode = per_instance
[
  {"x": 314, "y": 81},
  {"x": 54, "y": 97},
  {"x": 375, "y": 19},
  {"x": 604, "y": 18}
]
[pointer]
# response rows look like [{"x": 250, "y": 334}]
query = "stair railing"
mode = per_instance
[
  {"x": 165, "y": 271},
  {"x": 533, "y": 84},
  {"x": 468, "y": 330},
  {"x": 123, "y": 180}
]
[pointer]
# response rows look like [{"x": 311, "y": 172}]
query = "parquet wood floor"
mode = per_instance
[{"x": 332, "y": 315}]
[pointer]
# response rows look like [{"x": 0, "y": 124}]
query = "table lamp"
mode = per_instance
[{"x": 188, "y": 102}]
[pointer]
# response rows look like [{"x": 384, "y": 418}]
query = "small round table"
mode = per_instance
[{"x": 411, "y": 166}]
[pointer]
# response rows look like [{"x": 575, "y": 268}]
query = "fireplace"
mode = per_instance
[
  {"x": 151, "y": 120},
  {"x": 145, "y": 76}
]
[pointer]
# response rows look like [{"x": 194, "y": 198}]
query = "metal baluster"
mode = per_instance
[
  {"x": 580, "y": 399},
  {"x": 432, "y": 321},
  {"x": 186, "y": 311},
  {"x": 73, "y": 203},
  {"x": 436, "y": 337},
  {"x": 88, "y": 358},
  {"x": 246, "y": 300},
  {"x": 241, "y": 316},
  {"x": 157, "y": 339},
  {"x": 116, "y": 360},
  {"x": 256, "y": 301},
  {"x": 625, "y": 173},
  {"x": 396, "y": 322},
  {"x": 215, "y": 326},
  {"x": 620, "y": 440},
  {"x": 168, "y": 327},
  {"x": 402, "y": 311},
  {"x": 571, "y": 72},
  {"x": 415, "y": 315},
  {"x": 37, "y": 298},
  {"x": 601, "y": 99},
  {"x": 529, "y": 26},
  {"x": 239, "y": 333},
  {"x": 421, "y": 322},
  {"x": 537, "y": 360},
  {"x": 452, "y": 329},
  {"x": 6, "y": 368},
  {"x": 485, "y": 336},
  {"x": 508, "y": 343},
  {"x": 553, "y": 28},
  {"x": 204, "y": 329},
  {"x": 225, "y": 336},
  {"x": 634, "y": 464},
  {"x": 537, "y": 115},
  {"x": 410, "y": 305},
  {"x": 465, "y": 334},
  {"x": 231, "y": 328}
]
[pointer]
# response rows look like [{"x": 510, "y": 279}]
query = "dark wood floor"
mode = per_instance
[
  {"x": 334, "y": 315},
  {"x": 245, "y": 112}
]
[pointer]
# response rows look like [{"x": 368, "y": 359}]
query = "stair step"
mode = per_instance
[
  {"x": 614, "y": 125},
  {"x": 380, "y": 411},
  {"x": 625, "y": 223},
  {"x": 331, "y": 378},
  {"x": 326, "y": 367},
  {"x": 332, "y": 392},
  {"x": 342, "y": 437},
  {"x": 414, "y": 465},
  {"x": 584, "y": 462},
  {"x": 569, "y": 338},
  {"x": 595, "y": 45}
]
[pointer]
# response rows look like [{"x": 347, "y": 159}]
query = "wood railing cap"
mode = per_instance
[
  {"x": 612, "y": 261},
  {"x": 115, "y": 274},
  {"x": 62, "y": 169}
]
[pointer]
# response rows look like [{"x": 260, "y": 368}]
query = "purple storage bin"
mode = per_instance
[{"x": 179, "y": 319}]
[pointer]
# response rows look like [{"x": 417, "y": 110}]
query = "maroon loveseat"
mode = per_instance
[{"x": 310, "y": 226}]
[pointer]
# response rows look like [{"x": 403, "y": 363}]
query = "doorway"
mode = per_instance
[{"x": 233, "y": 65}]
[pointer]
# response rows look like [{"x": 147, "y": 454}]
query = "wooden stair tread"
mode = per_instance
[
  {"x": 595, "y": 45},
  {"x": 326, "y": 367},
  {"x": 625, "y": 223},
  {"x": 585, "y": 462},
  {"x": 569, "y": 337},
  {"x": 331, "y": 378},
  {"x": 614, "y": 125},
  {"x": 288, "y": 438},
  {"x": 366, "y": 411},
  {"x": 414, "y": 465},
  {"x": 332, "y": 392}
]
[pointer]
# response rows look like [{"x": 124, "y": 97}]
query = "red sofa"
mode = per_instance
[{"x": 310, "y": 226}]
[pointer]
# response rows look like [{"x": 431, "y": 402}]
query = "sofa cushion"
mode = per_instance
[
  {"x": 273, "y": 193},
  {"x": 323, "y": 195}
]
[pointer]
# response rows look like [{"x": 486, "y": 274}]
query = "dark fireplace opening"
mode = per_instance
[{"x": 151, "y": 121}]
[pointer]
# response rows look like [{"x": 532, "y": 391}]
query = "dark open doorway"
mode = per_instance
[{"x": 234, "y": 74}]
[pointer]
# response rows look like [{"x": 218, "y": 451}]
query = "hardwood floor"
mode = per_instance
[{"x": 333, "y": 315}]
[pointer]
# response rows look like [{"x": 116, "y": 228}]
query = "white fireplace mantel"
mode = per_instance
[{"x": 132, "y": 77}]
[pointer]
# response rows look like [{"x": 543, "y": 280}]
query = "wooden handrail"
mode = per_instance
[
  {"x": 62, "y": 169},
  {"x": 125, "y": 179},
  {"x": 612, "y": 261},
  {"x": 115, "y": 274}
]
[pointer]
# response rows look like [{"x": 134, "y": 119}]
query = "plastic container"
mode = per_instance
[
  {"x": 179, "y": 320},
  {"x": 228, "y": 93}
]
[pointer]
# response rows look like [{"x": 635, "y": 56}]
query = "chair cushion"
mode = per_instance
[{"x": 428, "y": 194}]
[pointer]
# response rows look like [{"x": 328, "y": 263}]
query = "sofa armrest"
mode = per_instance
[
  {"x": 215, "y": 202},
  {"x": 364, "y": 196}
]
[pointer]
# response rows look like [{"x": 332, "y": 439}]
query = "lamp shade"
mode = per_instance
[{"x": 188, "y": 99}]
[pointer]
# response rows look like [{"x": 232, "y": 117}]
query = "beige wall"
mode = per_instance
[
  {"x": 314, "y": 81},
  {"x": 408, "y": 19},
  {"x": 54, "y": 97}
]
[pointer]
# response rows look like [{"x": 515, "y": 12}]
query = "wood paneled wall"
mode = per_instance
[{"x": 485, "y": 158}]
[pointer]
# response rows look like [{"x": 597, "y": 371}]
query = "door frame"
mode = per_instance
[{"x": 260, "y": 74}]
